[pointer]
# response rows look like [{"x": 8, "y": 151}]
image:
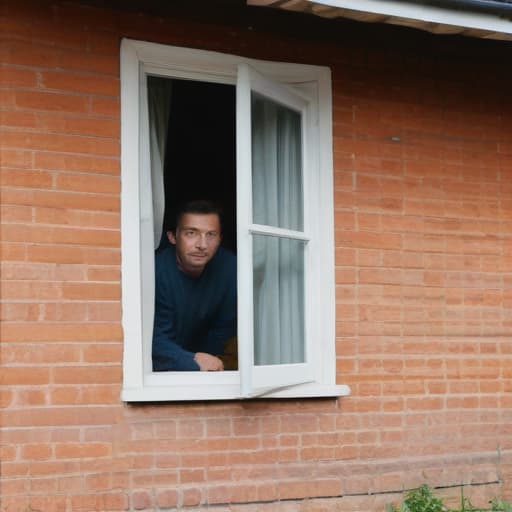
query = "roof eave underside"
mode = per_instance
[{"x": 438, "y": 20}]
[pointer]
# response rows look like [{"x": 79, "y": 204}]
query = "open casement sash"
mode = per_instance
[{"x": 273, "y": 240}]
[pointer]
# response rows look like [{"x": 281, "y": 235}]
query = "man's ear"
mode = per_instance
[{"x": 171, "y": 237}]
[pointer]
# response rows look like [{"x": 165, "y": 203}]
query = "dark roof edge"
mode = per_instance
[{"x": 483, "y": 6}]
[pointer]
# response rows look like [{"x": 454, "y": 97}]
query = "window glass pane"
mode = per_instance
[
  {"x": 278, "y": 300},
  {"x": 276, "y": 164}
]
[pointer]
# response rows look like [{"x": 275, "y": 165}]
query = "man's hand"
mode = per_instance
[{"x": 208, "y": 363}]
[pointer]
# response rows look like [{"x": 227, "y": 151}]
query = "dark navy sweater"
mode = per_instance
[{"x": 192, "y": 314}]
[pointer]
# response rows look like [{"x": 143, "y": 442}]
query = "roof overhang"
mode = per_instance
[{"x": 474, "y": 18}]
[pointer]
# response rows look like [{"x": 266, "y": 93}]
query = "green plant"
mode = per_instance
[
  {"x": 501, "y": 506},
  {"x": 422, "y": 499},
  {"x": 419, "y": 500}
]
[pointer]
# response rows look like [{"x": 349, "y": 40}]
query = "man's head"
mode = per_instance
[{"x": 197, "y": 235}]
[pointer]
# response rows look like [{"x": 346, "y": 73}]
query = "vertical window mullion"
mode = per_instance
[{"x": 244, "y": 237}]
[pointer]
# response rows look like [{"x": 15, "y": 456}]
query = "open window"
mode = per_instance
[{"x": 281, "y": 196}]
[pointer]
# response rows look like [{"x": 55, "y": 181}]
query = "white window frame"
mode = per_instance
[{"x": 140, "y": 383}]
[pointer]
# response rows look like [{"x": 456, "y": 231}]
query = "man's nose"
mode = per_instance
[{"x": 201, "y": 241}]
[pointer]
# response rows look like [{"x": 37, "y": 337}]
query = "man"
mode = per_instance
[{"x": 195, "y": 293}]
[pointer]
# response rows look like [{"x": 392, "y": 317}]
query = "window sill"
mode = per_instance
[{"x": 228, "y": 389}]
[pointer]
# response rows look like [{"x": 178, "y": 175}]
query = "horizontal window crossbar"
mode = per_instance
[{"x": 259, "y": 229}]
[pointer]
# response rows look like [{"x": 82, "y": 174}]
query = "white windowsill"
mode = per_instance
[{"x": 227, "y": 388}]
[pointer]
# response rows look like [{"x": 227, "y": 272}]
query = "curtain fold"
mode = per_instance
[
  {"x": 159, "y": 105},
  {"x": 278, "y": 263}
]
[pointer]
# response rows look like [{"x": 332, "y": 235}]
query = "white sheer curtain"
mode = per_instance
[
  {"x": 278, "y": 262},
  {"x": 159, "y": 103}
]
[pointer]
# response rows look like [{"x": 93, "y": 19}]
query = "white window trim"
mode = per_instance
[{"x": 139, "y": 382}]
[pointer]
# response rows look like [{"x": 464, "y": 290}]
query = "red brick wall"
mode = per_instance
[{"x": 423, "y": 190}]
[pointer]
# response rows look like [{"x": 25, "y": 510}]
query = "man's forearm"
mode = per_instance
[{"x": 169, "y": 356}]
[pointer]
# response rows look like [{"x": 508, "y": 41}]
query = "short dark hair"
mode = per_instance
[{"x": 201, "y": 206}]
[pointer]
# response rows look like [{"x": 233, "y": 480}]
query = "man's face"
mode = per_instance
[{"x": 197, "y": 239}]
